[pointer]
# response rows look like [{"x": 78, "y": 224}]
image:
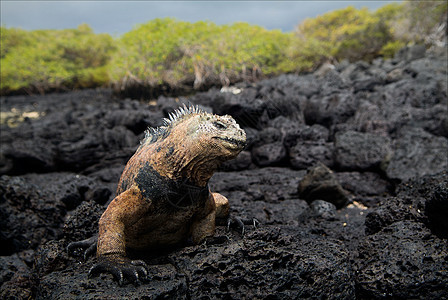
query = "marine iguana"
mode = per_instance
[{"x": 163, "y": 196}]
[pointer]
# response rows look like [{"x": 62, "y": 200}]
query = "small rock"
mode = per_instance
[
  {"x": 395, "y": 75},
  {"x": 321, "y": 183},
  {"x": 323, "y": 209}
]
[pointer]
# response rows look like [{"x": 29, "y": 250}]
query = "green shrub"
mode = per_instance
[
  {"x": 388, "y": 50},
  {"x": 348, "y": 33},
  {"x": 45, "y": 60},
  {"x": 179, "y": 56},
  {"x": 418, "y": 22},
  {"x": 176, "y": 53}
]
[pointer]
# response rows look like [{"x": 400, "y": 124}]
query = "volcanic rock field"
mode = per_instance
[{"x": 345, "y": 170}]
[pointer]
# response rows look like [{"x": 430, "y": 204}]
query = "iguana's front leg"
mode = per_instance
[
  {"x": 204, "y": 225},
  {"x": 217, "y": 206},
  {"x": 126, "y": 209}
]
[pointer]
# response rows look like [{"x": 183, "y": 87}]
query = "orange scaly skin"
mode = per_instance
[{"x": 163, "y": 196}]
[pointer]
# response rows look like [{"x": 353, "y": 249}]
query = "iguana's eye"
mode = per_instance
[{"x": 219, "y": 125}]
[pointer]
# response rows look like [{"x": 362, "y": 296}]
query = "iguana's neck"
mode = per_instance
[{"x": 182, "y": 162}]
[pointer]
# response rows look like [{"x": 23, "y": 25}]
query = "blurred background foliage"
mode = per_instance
[
  {"x": 171, "y": 55},
  {"x": 182, "y": 55},
  {"x": 46, "y": 60}
]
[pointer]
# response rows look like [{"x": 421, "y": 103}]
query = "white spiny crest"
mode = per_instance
[
  {"x": 180, "y": 112},
  {"x": 166, "y": 122},
  {"x": 152, "y": 134}
]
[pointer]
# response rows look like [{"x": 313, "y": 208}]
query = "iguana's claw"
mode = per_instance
[
  {"x": 237, "y": 221},
  {"x": 88, "y": 244},
  {"x": 132, "y": 270},
  {"x": 240, "y": 223},
  {"x": 255, "y": 222},
  {"x": 90, "y": 251}
]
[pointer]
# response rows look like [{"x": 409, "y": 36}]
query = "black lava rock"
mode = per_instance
[
  {"x": 437, "y": 209},
  {"x": 375, "y": 124},
  {"x": 417, "y": 153},
  {"x": 320, "y": 183},
  {"x": 361, "y": 151}
]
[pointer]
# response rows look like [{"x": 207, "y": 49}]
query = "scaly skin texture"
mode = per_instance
[{"x": 163, "y": 196}]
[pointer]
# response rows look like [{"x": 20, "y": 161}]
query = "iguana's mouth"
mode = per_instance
[{"x": 238, "y": 143}]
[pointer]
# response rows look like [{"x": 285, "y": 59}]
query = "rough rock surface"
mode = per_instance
[
  {"x": 417, "y": 153},
  {"x": 379, "y": 129},
  {"x": 358, "y": 150}
]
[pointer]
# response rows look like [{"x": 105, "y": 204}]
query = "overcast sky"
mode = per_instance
[{"x": 118, "y": 17}]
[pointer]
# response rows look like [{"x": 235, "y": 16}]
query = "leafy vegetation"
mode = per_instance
[
  {"x": 344, "y": 34},
  {"x": 363, "y": 35},
  {"x": 166, "y": 51},
  {"x": 420, "y": 22},
  {"x": 45, "y": 60},
  {"x": 167, "y": 54}
]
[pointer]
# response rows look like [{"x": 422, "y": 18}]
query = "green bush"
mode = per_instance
[
  {"x": 167, "y": 54},
  {"x": 419, "y": 22},
  {"x": 349, "y": 33},
  {"x": 176, "y": 53},
  {"x": 45, "y": 60}
]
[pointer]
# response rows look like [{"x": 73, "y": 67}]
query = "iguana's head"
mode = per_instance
[
  {"x": 197, "y": 140},
  {"x": 212, "y": 135}
]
